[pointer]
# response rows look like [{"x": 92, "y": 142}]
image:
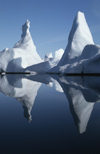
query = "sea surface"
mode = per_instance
[{"x": 49, "y": 114}]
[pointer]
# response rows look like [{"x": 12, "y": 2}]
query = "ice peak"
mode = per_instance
[
  {"x": 80, "y": 13},
  {"x": 79, "y": 37},
  {"x": 25, "y": 28},
  {"x": 80, "y": 18}
]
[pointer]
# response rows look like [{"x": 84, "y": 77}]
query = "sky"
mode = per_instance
[{"x": 51, "y": 21}]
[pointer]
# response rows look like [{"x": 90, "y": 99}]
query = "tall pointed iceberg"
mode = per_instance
[
  {"x": 22, "y": 55},
  {"x": 25, "y": 48},
  {"x": 79, "y": 37}
]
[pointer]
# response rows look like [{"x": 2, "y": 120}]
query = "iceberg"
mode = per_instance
[
  {"x": 48, "y": 63},
  {"x": 87, "y": 63},
  {"x": 39, "y": 68},
  {"x": 22, "y": 55},
  {"x": 57, "y": 57},
  {"x": 79, "y": 37},
  {"x": 81, "y": 54}
]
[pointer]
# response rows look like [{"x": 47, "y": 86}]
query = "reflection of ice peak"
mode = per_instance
[
  {"x": 27, "y": 95},
  {"x": 27, "y": 113},
  {"x": 77, "y": 96},
  {"x": 56, "y": 85},
  {"x": 24, "y": 90},
  {"x": 81, "y": 108}
]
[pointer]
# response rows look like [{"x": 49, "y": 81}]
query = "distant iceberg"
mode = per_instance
[{"x": 48, "y": 63}]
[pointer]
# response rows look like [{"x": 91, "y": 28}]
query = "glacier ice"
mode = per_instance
[
  {"x": 48, "y": 63},
  {"x": 54, "y": 60},
  {"x": 22, "y": 55},
  {"x": 79, "y": 37},
  {"x": 81, "y": 54}
]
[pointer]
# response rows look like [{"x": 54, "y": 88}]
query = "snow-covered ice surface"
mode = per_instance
[
  {"x": 57, "y": 57},
  {"x": 25, "y": 48},
  {"x": 22, "y": 55},
  {"x": 79, "y": 37},
  {"x": 88, "y": 62},
  {"x": 81, "y": 54},
  {"x": 48, "y": 63},
  {"x": 54, "y": 60},
  {"x": 42, "y": 67}
]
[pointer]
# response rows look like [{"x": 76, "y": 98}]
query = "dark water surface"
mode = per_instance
[{"x": 44, "y": 114}]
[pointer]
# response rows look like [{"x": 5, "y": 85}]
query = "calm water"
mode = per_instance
[{"x": 44, "y": 114}]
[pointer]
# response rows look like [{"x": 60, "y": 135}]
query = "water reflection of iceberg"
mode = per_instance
[
  {"x": 25, "y": 89},
  {"x": 27, "y": 95},
  {"x": 81, "y": 93},
  {"x": 25, "y": 92}
]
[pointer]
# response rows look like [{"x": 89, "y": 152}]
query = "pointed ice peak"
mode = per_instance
[
  {"x": 80, "y": 32},
  {"x": 79, "y": 13},
  {"x": 26, "y": 39},
  {"x": 25, "y": 28},
  {"x": 26, "y": 49},
  {"x": 80, "y": 19},
  {"x": 79, "y": 37}
]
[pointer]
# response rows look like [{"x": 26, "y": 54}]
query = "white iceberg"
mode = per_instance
[
  {"x": 42, "y": 68},
  {"x": 88, "y": 62},
  {"x": 22, "y": 55},
  {"x": 57, "y": 57},
  {"x": 81, "y": 55},
  {"x": 48, "y": 63}
]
